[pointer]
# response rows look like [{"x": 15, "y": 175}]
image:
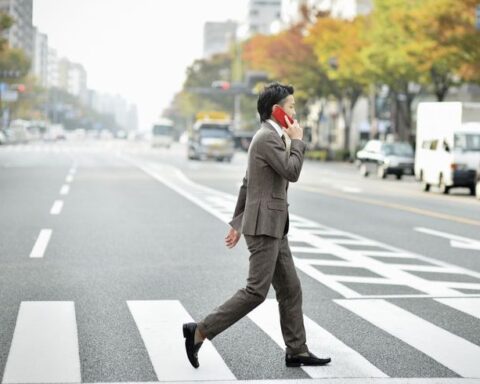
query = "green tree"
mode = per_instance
[
  {"x": 392, "y": 56},
  {"x": 448, "y": 51},
  {"x": 5, "y": 23},
  {"x": 338, "y": 45},
  {"x": 286, "y": 57}
]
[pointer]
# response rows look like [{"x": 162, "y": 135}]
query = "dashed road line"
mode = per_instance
[
  {"x": 65, "y": 189},
  {"x": 56, "y": 207},
  {"x": 41, "y": 243}
]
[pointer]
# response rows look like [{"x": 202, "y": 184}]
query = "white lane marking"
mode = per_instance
[
  {"x": 452, "y": 351},
  {"x": 44, "y": 347},
  {"x": 179, "y": 190},
  {"x": 468, "y": 305},
  {"x": 69, "y": 178},
  {"x": 56, "y": 207},
  {"x": 41, "y": 243},
  {"x": 346, "y": 362},
  {"x": 160, "y": 325},
  {"x": 65, "y": 189},
  {"x": 455, "y": 241},
  {"x": 350, "y": 189},
  {"x": 72, "y": 171}
]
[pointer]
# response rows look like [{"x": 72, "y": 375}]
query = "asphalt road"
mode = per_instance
[{"x": 107, "y": 247}]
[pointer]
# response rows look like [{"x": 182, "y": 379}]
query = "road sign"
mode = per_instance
[{"x": 9, "y": 96}]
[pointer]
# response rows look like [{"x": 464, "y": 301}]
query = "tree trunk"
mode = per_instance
[
  {"x": 441, "y": 83},
  {"x": 319, "y": 120},
  {"x": 347, "y": 105}
]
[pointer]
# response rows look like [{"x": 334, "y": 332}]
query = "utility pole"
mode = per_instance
[
  {"x": 477, "y": 18},
  {"x": 236, "y": 79}
]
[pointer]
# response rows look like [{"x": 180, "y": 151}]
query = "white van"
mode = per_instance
[
  {"x": 162, "y": 133},
  {"x": 448, "y": 145}
]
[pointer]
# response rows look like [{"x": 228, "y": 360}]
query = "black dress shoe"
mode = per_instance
[
  {"x": 190, "y": 346},
  {"x": 311, "y": 359}
]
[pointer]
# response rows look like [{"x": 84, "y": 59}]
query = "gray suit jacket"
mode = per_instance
[{"x": 262, "y": 204}]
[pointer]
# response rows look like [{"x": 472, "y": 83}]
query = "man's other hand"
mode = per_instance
[
  {"x": 232, "y": 238},
  {"x": 294, "y": 131}
]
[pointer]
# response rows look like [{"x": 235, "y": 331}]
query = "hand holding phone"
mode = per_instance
[
  {"x": 290, "y": 126},
  {"x": 279, "y": 114}
]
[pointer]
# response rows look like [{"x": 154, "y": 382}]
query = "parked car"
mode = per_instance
[
  {"x": 383, "y": 159},
  {"x": 17, "y": 132}
]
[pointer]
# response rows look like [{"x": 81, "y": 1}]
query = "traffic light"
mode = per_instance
[
  {"x": 220, "y": 84},
  {"x": 21, "y": 88}
]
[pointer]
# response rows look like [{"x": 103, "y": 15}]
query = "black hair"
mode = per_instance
[{"x": 274, "y": 93}]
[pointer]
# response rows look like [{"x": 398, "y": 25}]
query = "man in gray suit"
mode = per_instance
[{"x": 275, "y": 158}]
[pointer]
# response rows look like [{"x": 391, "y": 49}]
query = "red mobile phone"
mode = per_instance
[{"x": 279, "y": 115}]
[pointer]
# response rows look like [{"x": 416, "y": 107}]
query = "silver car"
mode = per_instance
[{"x": 385, "y": 159}]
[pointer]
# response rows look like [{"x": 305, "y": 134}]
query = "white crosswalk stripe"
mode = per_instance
[
  {"x": 160, "y": 325},
  {"x": 44, "y": 348},
  {"x": 346, "y": 361},
  {"x": 452, "y": 351},
  {"x": 470, "y": 305}
]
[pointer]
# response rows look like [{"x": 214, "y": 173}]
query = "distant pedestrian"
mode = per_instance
[{"x": 275, "y": 158}]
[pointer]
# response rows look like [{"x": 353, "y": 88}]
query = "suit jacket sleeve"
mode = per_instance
[
  {"x": 288, "y": 167},
  {"x": 236, "y": 222}
]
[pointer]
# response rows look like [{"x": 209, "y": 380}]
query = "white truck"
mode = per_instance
[
  {"x": 448, "y": 145},
  {"x": 162, "y": 133}
]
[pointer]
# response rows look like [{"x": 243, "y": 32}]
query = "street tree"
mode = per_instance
[
  {"x": 449, "y": 45},
  {"x": 286, "y": 57},
  {"x": 5, "y": 23},
  {"x": 338, "y": 45}
]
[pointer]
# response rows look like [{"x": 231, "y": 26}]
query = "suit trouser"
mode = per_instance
[{"x": 270, "y": 263}]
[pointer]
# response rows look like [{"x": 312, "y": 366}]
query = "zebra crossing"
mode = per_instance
[
  {"x": 368, "y": 276},
  {"x": 45, "y": 344},
  {"x": 351, "y": 265}
]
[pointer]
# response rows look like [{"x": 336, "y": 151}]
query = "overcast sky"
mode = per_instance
[{"x": 137, "y": 48}]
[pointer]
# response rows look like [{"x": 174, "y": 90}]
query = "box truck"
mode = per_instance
[{"x": 448, "y": 145}]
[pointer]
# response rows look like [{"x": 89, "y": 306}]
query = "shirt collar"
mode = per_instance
[{"x": 275, "y": 125}]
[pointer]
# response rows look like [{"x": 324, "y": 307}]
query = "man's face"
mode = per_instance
[{"x": 289, "y": 106}]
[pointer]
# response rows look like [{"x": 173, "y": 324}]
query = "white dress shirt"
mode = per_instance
[
  {"x": 281, "y": 133},
  {"x": 276, "y": 126}
]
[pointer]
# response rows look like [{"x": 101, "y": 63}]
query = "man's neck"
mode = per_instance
[{"x": 276, "y": 126}]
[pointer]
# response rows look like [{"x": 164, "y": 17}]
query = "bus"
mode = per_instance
[{"x": 162, "y": 133}]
